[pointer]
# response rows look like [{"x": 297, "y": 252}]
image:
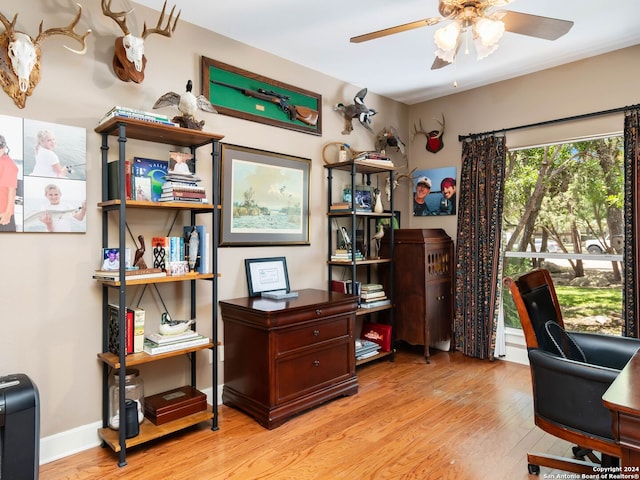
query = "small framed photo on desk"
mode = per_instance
[{"x": 267, "y": 275}]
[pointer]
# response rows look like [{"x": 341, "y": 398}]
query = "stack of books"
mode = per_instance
[
  {"x": 366, "y": 349},
  {"x": 130, "y": 274},
  {"x": 340, "y": 207},
  {"x": 134, "y": 113},
  {"x": 182, "y": 187},
  {"x": 375, "y": 158},
  {"x": 373, "y": 295},
  {"x": 156, "y": 343},
  {"x": 344, "y": 255}
]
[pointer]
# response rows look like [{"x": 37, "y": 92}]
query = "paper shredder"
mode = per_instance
[{"x": 19, "y": 428}]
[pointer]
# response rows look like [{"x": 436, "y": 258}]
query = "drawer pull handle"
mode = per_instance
[
  {"x": 316, "y": 333},
  {"x": 318, "y": 312},
  {"x": 316, "y": 363}
]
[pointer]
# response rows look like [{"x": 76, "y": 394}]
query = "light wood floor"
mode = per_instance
[{"x": 455, "y": 418}]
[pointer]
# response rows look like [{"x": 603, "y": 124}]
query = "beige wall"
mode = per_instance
[
  {"x": 596, "y": 84},
  {"x": 50, "y": 314},
  {"x": 51, "y": 307}
]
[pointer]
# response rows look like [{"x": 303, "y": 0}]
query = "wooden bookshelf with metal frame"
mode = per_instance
[{"x": 124, "y": 129}]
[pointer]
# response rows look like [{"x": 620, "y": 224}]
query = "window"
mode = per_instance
[{"x": 563, "y": 211}]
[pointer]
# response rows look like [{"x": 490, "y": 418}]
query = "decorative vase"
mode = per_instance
[{"x": 377, "y": 207}]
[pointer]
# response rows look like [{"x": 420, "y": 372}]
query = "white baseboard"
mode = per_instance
[{"x": 83, "y": 438}]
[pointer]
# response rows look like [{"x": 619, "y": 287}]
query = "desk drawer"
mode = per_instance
[
  {"x": 289, "y": 317},
  {"x": 296, "y": 376},
  {"x": 318, "y": 332}
]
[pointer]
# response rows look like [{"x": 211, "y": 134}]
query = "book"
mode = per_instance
[
  {"x": 138, "y": 328},
  {"x": 137, "y": 116},
  {"x": 202, "y": 245},
  {"x": 113, "y": 179},
  {"x": 373, "y": 295},
  {"x": 161, "y": 339},
  {"x": 156, "y": 170},
  {"x": 153, "y": 348},
  {"x": 114, "y": 275},
  {"x": 376, "y": 303},
  {"x": 339, "y": 286},
  {"x": 113, "y": 340},
  {"x": 160, "y": 249},
  {"x": 123, "y": 109}
]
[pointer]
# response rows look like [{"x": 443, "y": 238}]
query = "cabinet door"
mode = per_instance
[{"x": 439, "y": 311}]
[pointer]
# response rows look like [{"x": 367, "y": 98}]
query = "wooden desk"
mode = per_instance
[
  {"x": 285, "y": 356},
  {"x": 623, "y": 399}
]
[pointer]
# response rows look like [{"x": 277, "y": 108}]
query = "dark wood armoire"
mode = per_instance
[{"x": 423, "y": 285}]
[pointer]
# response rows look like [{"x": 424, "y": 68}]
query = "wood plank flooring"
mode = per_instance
[{"x": 454, "y": 418}]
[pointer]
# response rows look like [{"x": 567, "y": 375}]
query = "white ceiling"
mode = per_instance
[{"x": 316, "y": 34}]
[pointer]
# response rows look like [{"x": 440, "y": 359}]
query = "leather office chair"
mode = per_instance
[{"x": 570, "y": 373}]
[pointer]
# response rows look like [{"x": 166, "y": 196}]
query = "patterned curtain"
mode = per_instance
[
  {"x": 477, "y": 285},
  {"x": 632, "y": 222}
]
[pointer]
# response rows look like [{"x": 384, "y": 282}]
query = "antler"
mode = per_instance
[
  {"x": 408, "y": 176},
  {"x": 68, "y": 31},
  {"x": 119, "y": 17},
  {"x": 168, "y": 29},
  {"x": 417, "y": 132},
  {"x": 8, "y": 26}
]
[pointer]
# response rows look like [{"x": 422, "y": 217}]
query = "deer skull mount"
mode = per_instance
[
  {"x": 434, "y": 137},
  {"x": 128, "y": 57},
  {"x": 20, "y": 56}
]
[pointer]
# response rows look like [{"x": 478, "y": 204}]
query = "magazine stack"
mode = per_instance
[{"x": 182, "y": 187}]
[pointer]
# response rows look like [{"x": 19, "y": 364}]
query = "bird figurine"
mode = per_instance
[
  {"x": 356, "y": 110},
  {"x": 168, "y": 326},
  {"x": 188, "y": 104},
  {"x": 388, "y": 137},
  {"x": 377, "y": 237}
]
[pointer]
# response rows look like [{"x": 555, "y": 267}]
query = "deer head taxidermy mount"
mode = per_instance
[
  {"x": 128, "y": 57},
  {"x": 434, "y": 137},
  {"x": 20, "y": 56}
]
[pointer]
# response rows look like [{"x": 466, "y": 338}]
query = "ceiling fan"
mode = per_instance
[{"x": 485, "y": 26}]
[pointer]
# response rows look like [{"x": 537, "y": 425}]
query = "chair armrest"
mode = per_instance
[
  {"x": 606, "y": 350},
  {"x": 569, "y": 393}
]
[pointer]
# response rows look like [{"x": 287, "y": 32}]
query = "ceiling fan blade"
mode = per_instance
[
  {"x": 535, "y": 26},
  {"x": 438, "y": 63},
  {"x": 397, "y": 29}
]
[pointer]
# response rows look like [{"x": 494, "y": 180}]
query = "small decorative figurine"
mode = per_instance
[
  {"x": 138, "y": 261},
  {"x": 194, "y": 247},
  {"x": 188, "y": 104},
  {"x": 356, "y": 110},
  {"x": 173, "y": 327},
  {"x": 377, "y": 201},
  {"x": 377, "y": 237}
]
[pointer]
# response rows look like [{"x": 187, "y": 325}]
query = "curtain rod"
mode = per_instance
[{"x": 462, "y": 138}]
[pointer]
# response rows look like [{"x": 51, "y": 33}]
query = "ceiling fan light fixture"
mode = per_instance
[
  {"x": 488, "y": 31},
  {"x": 446, "y": 38},
  {"x": 483, "y": 50}
]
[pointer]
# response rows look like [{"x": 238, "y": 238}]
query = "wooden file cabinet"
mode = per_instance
[
  {"x": 423, "y": 286},
  {"x": 285, "y": 356}
]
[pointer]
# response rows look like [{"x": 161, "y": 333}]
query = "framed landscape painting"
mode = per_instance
[{"x": 265, "y": 197}]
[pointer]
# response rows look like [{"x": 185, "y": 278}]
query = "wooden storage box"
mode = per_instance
[{"x": 177, "y": 403}]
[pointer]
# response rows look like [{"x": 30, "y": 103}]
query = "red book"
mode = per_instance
[{"x": 129, "y": 332}]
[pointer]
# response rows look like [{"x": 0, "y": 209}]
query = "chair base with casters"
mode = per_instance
[{"x": 570, "y": 371}]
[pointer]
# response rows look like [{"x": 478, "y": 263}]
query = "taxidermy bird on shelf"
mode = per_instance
[
  {"x": 388, "y": 137},
  {"x": 188, "y": 104},
  {"x": 377, "y": 237},
  {"x": 356, "y": 110}
]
